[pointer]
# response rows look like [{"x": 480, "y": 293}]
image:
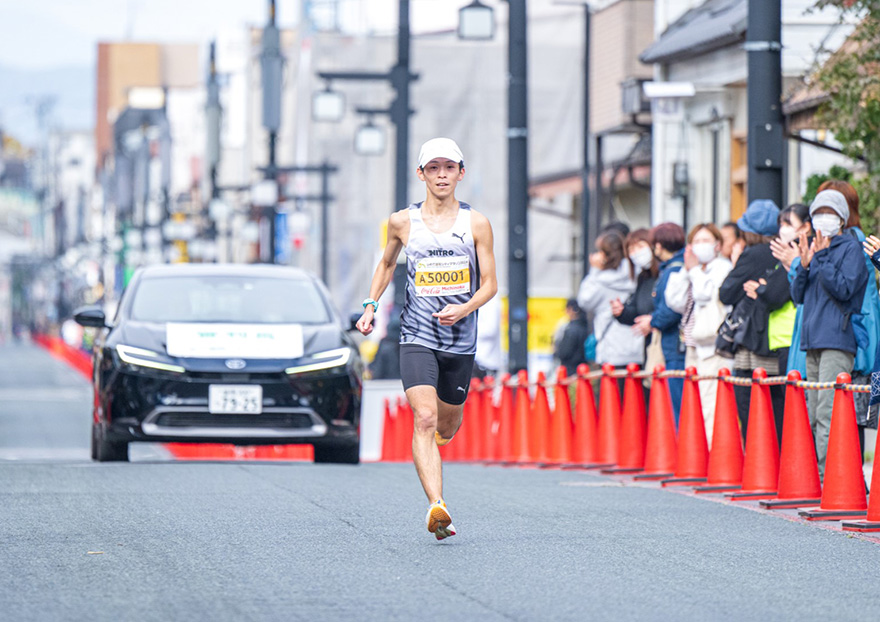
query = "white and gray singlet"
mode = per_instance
[{"x": 441, "y": 269}]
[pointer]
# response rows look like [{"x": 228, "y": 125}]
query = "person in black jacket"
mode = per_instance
[
  {"x": 570, "y": 348},
  {"x": 641, "y": 303},
  {"x": 756, "y": 286}
]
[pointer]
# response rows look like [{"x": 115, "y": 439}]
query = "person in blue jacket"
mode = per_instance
[
  {"x": 668, "y": 241},
  {"x": 830, "y": 283}
]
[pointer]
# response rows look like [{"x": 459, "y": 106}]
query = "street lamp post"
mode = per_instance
[
  {"x": 400, "y": 78},
  {"x": 766, "y": 138},
  {"x": 518, "y": 187},
  {"x": 271, "y": 67}
]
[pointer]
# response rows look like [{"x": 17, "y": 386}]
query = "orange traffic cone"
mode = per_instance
[
  {"x": 609, "y": 417},
  {"x": 561, "y": 427},
  {"x": 585, "y": 444},
  {"x": 693, "y": 450},
  {"x": 660, "y": 454},
  {"x": 633, "y": 424},
  {"x": 407, "y": 426},
  {"x": 540, "y": 423},
  {"x": 522, "y": 413},
  {"x": 506, "y": 422},
  {"x": 799, "y": 484},
  {"x": 843, "y": 493},
  {"x": 873, "y": 519},
  {"x": 726, "y": 458},
  {"x": 761, "y": 469},
  {"x": 388, "y": 435}
]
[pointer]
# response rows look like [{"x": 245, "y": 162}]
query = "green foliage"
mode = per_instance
[
  {"x": 851, "y": 77},
  {"x": 817, "y": 179}
]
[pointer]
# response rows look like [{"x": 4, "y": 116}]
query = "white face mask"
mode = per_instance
[
  {"x": 642, "y": 258},
  {"x": 828, "y": 224},
  {"x": 704, "y": 252},
  {"x": 787, "y": 233}
]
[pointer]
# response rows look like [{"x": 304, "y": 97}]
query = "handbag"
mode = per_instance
[
  {"x": 730, "y": 333},
  {"x": 709, "y": 319},
  {"x": 654, "y": 355}
]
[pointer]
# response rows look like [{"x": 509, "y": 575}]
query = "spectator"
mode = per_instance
[
  {"x": 637, "y": 309},
  {"x": 730, "y": 235},
  {"x": 615, "y": 225},
  {"x": 488, "y": 359},
  {"x": 668, "y": 241},
  {"x": 754, "y": 288},
  {"x": 830, "y": 283},
  {"x": 610, "y": 278},
  {"x": 693, "y": 292},
  {"x": 870, "y": 311},
  {"x": 570, "y": 347},
  {"x": 793, "y": 220}
]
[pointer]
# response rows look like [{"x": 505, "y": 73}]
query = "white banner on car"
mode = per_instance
[{"x": 246, "y": 341}]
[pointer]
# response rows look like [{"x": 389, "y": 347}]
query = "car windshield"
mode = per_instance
[{"x": 234, "y": 299}]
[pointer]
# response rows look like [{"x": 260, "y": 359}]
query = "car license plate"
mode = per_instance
[{"x": 235, "y": 399}]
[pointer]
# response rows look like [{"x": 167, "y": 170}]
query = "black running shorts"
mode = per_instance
[{"x": 449, "y": 373}]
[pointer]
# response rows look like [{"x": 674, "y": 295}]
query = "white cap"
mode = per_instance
[
  {"x": 833, "y": 199},
  {"x": 439, "y": 148}
]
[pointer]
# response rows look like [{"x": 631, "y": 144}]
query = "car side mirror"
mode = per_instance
[
  {"x": 91, "y": 317},
  {"x": 353, "y": 320}
]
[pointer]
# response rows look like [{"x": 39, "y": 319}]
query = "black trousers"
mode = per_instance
[{"x": 743, "y": 397}]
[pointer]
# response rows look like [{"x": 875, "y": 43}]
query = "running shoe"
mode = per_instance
[
  {"x": 439, "y": 520},
  {"x": 440, "y": 440}
]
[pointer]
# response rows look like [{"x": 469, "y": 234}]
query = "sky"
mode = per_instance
[{"x": 57, "y": 33}]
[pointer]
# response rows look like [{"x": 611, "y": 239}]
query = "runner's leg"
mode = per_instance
[{"x": 426, "y": 456}]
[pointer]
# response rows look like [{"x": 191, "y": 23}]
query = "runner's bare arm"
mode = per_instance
[
  {"x": 398, "y": 227},
  {"x": 484, "y": 243}
]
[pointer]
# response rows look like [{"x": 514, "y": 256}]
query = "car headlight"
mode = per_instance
[
  {"x": 139, "y": 357},
  {"x": 329, "y": 359}
]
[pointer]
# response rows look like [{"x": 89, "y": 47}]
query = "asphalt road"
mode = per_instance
[{"x": 164, "y": 540}]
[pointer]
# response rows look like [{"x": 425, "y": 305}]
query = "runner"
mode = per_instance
[{"x": 450, "y": 274}]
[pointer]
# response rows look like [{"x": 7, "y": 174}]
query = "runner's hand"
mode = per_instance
[
  {"x": 365, "y": 324},
  {"x": 450, "y": 314}
]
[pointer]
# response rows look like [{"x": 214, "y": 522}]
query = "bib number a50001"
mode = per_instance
[{"x": 443, "y": 276}]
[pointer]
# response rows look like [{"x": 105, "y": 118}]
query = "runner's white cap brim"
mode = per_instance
[{"x": 439, "y": 148}]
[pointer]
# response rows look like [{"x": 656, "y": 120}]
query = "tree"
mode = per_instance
[{"x": 851, "y": 77}]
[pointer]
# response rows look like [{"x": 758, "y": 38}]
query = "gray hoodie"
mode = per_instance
[{"x": 616, "y": 343}]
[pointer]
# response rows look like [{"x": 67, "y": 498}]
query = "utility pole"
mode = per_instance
[
  {"x": 271, "y": 66},
  {"x": 586, "y": 208},
  {"x": 517, "y": 187},
  {"x": 213, "y": 114},
  {"x": 766, "y": 137}
]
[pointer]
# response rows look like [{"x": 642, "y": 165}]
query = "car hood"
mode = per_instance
[{"x": 152, "y": 336}]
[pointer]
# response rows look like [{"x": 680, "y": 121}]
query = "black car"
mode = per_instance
[{"x": 243, "y": 354}]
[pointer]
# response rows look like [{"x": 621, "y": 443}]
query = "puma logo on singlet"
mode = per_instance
[
  {"x": 460, "y": 236},
  {"x": 462, "y": 389},
  {"x": 440, "y": 253}
]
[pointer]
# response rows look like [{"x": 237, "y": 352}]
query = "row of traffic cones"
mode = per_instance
[{"x": 509, "y": 426}]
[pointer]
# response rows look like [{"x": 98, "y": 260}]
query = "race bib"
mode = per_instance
[{"x": 443, "y": 276}]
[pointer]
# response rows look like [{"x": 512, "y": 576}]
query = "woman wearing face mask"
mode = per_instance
[
  {"x": 693, "y": 292},
  {"x": 640, "y": 305},
  {"x": 610, "y": 278},
  {"x": 794, "y": 220},
  {"x": 754, "y": 288},
  {"x": 830, "y": 283}
]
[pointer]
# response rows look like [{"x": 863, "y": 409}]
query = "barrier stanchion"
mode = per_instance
[
  {"x": 487, "y": 420},
  {"x": 660, "y": 453},
  {"x": 726, "y": 458},
  {"x": 799, "y": 484},
  {"x": 584, "y": 447},
  {"x": 872, "y": 522},
  {"x": 506, "y": 423},
  {"x": 540, "y": 422},
  {"x": 633, "y": 426},
  {"x": 609, "y": 417},
  {"x": 561, "y": 426},
  {"x": 761, "y": 469},
  {"x": 693, "y": 450},
  {"x": 522, "y": 414},
  {"x": 843, "y": 492}
]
